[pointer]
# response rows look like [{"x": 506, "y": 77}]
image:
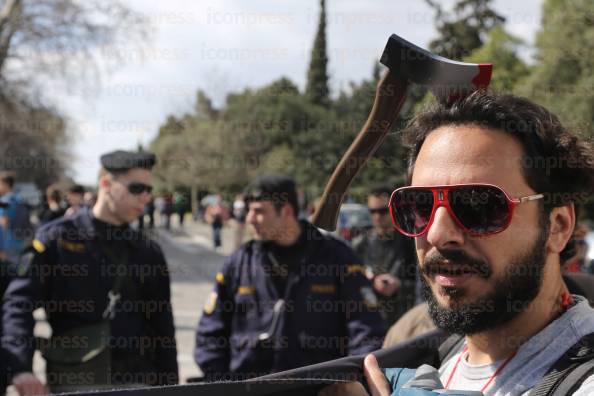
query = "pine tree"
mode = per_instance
[{"x": 317, "y": 76}]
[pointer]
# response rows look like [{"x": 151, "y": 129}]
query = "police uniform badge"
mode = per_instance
[{"x": 211, "y": 303}]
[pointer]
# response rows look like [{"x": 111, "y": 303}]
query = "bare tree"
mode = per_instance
[
  {"x": 53, "y": 38},
  {"x": 64, "y": 37}
]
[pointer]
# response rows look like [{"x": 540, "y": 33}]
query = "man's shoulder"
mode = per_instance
[
  {"x": 329, "y": 242},
  {"x": 245, "y": 252},
  {"x": 568, "y": 378},
  {"x": 10, "y": 198},
  {"x": 9, "y": 202},
  {"x": 586, "y": 388},
  {"x": 61, "y": 227}
]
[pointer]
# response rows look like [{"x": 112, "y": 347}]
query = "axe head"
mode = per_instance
[
  {"x": 408, "y": 64},
  {"x": 447, "y": 79}
]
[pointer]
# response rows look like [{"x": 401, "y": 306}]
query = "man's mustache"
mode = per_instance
[{"x": 458, "y": 259}]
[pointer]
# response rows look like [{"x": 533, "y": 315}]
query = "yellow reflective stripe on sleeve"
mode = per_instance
[
  {"x": 354, "y": 268},
  {"x": 220, "y": 278},
  {"x": 38, "y": 246}
]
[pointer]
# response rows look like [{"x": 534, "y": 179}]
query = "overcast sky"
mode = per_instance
[{"x": 223, "y": 46}]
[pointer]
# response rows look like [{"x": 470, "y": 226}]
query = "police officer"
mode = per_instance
[
  {"x": 290, "y": 298},
  {"x": 104, "y": 288}
]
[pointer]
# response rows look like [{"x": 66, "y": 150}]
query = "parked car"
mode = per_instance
[{"x": 353, "y": 219}]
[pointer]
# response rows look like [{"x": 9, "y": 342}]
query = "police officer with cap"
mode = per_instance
[
  {"x": 290, "y": 298},
  {"x": 105, "y": 290}
]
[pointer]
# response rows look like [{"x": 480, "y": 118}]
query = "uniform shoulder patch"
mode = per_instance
[
  {"x": 38, "y": 246},
  {"x": 75, "y": 247},
  {"x": 354, "y": 268},
  {"x": 246, "y": 290},
  {"x": 211, "y": 303},
  {"x": 321, "y": 288}
]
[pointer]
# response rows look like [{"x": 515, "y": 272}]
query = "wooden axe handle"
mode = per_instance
[{"x": 389, "y": 97}]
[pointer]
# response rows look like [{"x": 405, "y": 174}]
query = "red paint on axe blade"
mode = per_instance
[
  {"x": 480, "y": 81},
  {"x": 483, "y": 78}
]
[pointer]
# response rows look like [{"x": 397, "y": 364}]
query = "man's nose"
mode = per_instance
[{"x": 444, "y": 232}]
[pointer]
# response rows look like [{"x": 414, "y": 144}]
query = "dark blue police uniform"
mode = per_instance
[
  {"x": 69, "y": 274},
  {"x": 329, "y": 310}
]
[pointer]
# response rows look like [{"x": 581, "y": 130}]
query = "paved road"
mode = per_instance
[{"x": 193, "y": 267}]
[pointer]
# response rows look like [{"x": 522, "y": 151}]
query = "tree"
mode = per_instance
[
  {"x": 204, "y": 106},
  {"x": 317, "y": 90},
  {"x": 33, "y": 140},
  {"x": 464, "y": 30},
  {"x": 502, "y": 48},
  {"x": 256, "y": 131},
  {"x": 563, "y": 77},
  {"x": 58, "y": 37},
  {"x": 51, "y": 37},
  {"x": 474, "y": 32}
]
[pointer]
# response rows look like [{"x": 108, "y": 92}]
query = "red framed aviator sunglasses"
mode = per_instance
[{"x": 479, "y": 209}]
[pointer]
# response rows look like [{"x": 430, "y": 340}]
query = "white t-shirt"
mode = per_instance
[{"x": 531, "y": 362}]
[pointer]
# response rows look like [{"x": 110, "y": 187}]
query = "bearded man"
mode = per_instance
[{"x": 494, "y": 186}]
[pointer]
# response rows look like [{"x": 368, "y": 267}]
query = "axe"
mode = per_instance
[{"x": 407, "y": 64}]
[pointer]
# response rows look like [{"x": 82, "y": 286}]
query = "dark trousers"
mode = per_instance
[{"x": 216, "y": 235}]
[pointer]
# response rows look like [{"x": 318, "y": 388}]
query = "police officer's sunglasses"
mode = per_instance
[
  {"x": 479, "y": 209},
  {"x": 379, "y": 211},
  {"x": 137, "y": 188}
]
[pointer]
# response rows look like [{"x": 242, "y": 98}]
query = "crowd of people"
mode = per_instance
[{"x": 478, "y": 244}]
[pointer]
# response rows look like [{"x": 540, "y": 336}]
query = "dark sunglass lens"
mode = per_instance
[
  {"x": 139, "y": 188},
  {"x": 412, "y": 209},
  {"x": 380, "y": 211},
  {"x": 481, "y": 209}
]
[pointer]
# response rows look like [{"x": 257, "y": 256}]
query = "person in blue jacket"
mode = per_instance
[
  {"x": 72, "y": 270},
  {"x": 290, "y": 298}
]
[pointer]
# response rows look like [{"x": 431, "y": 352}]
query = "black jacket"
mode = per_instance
[
  {"x": 330, "y": 311},
  {"x": 68, "y": 273}
]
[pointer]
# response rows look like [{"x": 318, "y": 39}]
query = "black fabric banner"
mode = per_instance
[{"x": 306, "y": 380}]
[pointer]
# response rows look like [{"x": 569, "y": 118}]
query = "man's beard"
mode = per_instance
[{"x": 512, "y": 292}]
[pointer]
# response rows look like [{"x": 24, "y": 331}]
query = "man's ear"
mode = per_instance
[
  {"x": 104, "y": 181},
  {"x": 562, "y": 223},
  {"x": 287, "y": 211}
]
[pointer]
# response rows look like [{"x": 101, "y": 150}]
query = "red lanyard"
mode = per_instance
[{"x": 490, "y": 379}]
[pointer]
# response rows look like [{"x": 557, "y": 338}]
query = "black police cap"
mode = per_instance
[{"x": 121, "y": 161}]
